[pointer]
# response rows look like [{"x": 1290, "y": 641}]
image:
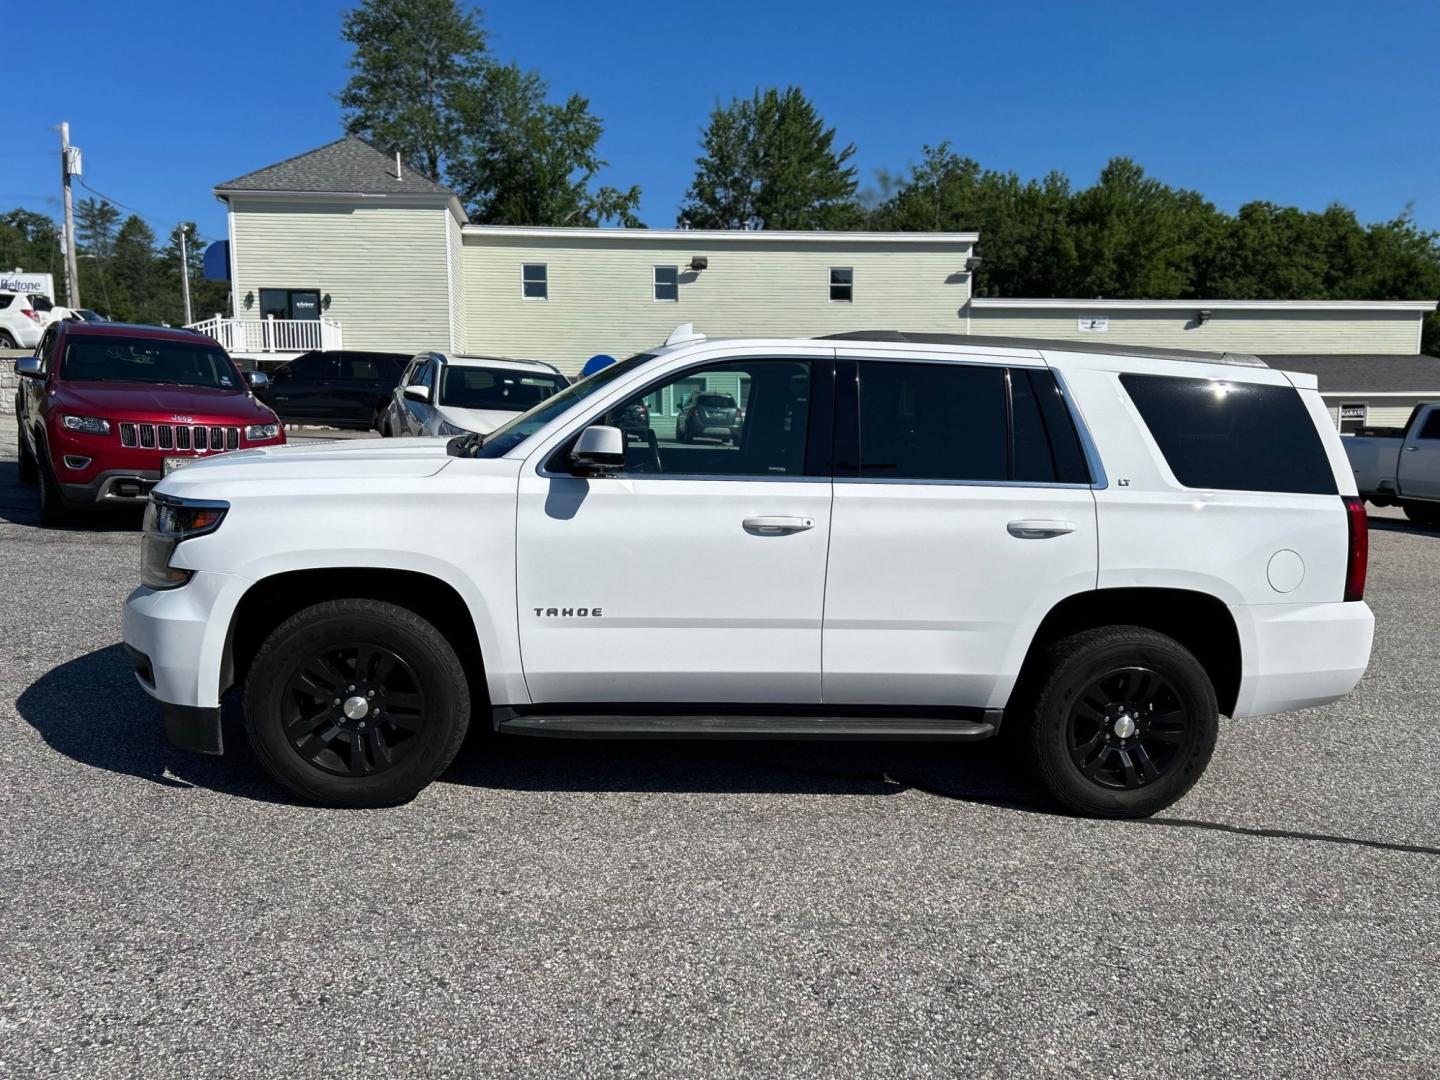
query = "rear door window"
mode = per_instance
[
  {"x": 1233, "y": 436},
  {"x": 1431, "y": 428},
  {"x": 932, "y": 422}
]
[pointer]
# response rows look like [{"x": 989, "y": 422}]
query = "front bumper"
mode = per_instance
[
  {"x": 1297, "y": 656},
  {"x": 176, "y": 642}
]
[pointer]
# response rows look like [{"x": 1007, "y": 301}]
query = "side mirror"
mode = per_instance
[
  {"x": 258, "y": 380},
  {"x": 599, "y": 448},
  {"x": 29, "y": 365},
  {"x": 418, "y": 392}
]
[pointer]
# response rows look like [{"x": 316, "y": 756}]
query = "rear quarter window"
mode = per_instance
[{"x": 1233, "y": 436}]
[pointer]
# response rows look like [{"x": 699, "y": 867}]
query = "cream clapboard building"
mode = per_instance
[{"x": 346, "y": 247}]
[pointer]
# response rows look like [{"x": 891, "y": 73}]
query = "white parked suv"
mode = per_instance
[
  {"x": 456, "y": 395},
  {"x": 1092, "y": 550},
  {"x": 23, "y": 318}
]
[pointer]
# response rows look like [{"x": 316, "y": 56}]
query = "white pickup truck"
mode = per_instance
[{"x": 1401, "y": 467}]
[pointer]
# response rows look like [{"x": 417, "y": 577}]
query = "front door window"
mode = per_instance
[{"x": 290, "y": 303}]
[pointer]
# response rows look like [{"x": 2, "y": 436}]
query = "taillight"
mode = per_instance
[
  {"x": 32, "y": 314},
  {"x": 1358, "y": 557}
]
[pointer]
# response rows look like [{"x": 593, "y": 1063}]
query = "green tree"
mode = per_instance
[
  {"x": 95, "y": 221},
  {"x": 769, "y": 162},
  {"x": 524, "y": 160},
  {"x": 412, "y": 62},
  {"x": 135, "y": 277},
  {"x": 31, "y": 242}
]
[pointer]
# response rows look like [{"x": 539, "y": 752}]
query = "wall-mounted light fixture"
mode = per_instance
[
  {"x": 1202, "y": 316},
  {"x": 249, "y": 300},
  {"x": 973, "y": 263},
  {"x": 325, "y": 302},
  {"x": 699, "y": 262}
]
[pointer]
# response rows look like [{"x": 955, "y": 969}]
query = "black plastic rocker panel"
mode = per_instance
[{"x": 779, "y": 722}]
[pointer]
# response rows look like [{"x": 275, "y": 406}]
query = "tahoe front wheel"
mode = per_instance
[
  {"x": 356, "y": 703},
  {"x": 1123, "y": 724}
]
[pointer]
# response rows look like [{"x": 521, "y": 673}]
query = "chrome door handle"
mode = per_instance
[
  {"x": 1039, "y": 530},
  {"x": 1411, "y": 449},
  {"x": 777, "y": 526}
]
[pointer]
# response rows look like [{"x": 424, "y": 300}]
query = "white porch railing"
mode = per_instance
[{"x": 252, "y": 335}]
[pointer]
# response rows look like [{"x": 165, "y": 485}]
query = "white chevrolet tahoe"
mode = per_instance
[{"x": 1094, "y": 551}]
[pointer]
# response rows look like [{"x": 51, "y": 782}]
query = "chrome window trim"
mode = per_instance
[
  {"x": 934, "y": 482},
  {"x": 742, "y": 478},
  {"x": 1098, "y": 479}
]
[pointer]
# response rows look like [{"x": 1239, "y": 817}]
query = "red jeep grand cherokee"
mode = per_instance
[{"x": 107, "y": 409}]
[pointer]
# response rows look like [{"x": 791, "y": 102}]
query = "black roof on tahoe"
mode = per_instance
[{"x": 913, "y": 338}]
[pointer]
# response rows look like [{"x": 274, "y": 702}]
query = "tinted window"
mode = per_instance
[
  {"x": 314, "y": 366},
  {"x": 1431, "y": 430},
  {"x": 39, "y": 302},
  {"x": 1233, "y": 436},
  {"x": 1046, "y": 447},
  {"x": 769, "y": 441},
  {"x": 360, "y": 367},
  {"x": 932, "y": 422},
  {"x": 177, "y": 363},
  {"x": 6, "y": 299}
]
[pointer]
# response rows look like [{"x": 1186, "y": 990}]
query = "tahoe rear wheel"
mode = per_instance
[
  {"x": 1422, "y": 513},
  {"x": 356, "y": 703},
  {"x": 1123, "y": 724}
]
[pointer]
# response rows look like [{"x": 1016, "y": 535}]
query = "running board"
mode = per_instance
[{"x": 596, "y": 726}]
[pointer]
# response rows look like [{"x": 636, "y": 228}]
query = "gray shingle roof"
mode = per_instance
[
  {"x": 1365, "y": 373},
  {"x": 346, "y": 165}
]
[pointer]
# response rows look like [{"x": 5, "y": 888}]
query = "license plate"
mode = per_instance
[{"x": 173, "y": 463}]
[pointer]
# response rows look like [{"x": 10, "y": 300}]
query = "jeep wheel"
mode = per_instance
[
  {"x": 356, "y": 703},
  {"x": 53, "y": 508},
  {"x": 29, "y": 473},
  {"x": 1123, "y": 724}
]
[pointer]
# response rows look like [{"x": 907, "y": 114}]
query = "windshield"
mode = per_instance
[
  {"x": 497, "y": 388},
  {"x": 510, "y": 435},
  {"x": 123, "y": 359}
]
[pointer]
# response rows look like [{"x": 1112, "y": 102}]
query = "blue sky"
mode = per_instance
[{"x": 1297, "y": 103}]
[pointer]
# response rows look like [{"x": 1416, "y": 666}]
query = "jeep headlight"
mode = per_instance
[
  {"x": 168, "y": 521},
  {"x": 257, "y": 432},
  {"x": 91, "y": 425}
]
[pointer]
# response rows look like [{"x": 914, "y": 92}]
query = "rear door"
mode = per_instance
[
  {"x": 1419, "y": 469},
  {"x": 304, "y": 389},
  {"x": 964, "y": 513}
]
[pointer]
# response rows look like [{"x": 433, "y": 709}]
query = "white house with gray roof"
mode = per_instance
[{"x": 346, "y": 246}]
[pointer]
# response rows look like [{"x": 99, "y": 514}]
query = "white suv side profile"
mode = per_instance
[{"x": 1094, "y": 551}]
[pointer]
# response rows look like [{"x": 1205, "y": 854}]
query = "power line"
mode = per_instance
[{"x": 158, "y": 222}]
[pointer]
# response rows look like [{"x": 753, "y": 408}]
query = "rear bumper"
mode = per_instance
[{"x": 1296, "y": 656}]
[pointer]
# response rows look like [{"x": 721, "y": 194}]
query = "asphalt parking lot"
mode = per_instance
[{"x": 579, "y": 909}]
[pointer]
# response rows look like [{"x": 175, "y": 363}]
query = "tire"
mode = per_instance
[
  {"x": 7, "y": 341},
  {"x": 1422, "y": 513},
  {"x": 29, "y": 471},
  {"x": 53, "y": 508},
  {"x": 1082, "y": 755},
  {"x": 343, "y": 761}
]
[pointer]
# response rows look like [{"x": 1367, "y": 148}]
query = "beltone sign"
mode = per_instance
[{"x": 18, "y": 281}]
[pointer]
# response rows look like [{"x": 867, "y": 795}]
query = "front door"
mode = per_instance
[
  {"x": 694, "y": 574},
  {"x": 961, "y": 522},
  {"x": 1419, "y": 469}
]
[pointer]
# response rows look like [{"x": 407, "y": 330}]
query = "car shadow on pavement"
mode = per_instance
[
  {"x": 20, "y": 505},
  {"x": 1402, "y": 525},
  {"x": 91, "y": 710}
]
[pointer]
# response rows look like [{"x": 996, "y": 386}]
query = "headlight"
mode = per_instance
[
  {"x": 446, "y": 430},
  {"x": 256, "y": 432},
  {"x": 168, "y": 521},
  {"x": 91, "y": 425}
]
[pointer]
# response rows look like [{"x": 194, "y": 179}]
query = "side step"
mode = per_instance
[{"x": 619, "y": 726}]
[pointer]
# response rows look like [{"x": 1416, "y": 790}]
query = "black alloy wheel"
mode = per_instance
[
  {"x": 354, "y": 709},
  {"x": 1127, "y": 728}
]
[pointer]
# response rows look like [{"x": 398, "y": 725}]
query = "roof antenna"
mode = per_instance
[{"x": 398, "y": 174}]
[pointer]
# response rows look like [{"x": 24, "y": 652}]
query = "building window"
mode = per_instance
[
  {"x": 290, "y": 303},
  {"x": 667, "y": 283},
  {"x": 1353, "y": 415},
  {"x": 535, "y": 281},
  {"x": 842, "y": 284}
]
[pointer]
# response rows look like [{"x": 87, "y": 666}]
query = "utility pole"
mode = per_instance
[
  {"x": 185, "y": 274},
  {"x": 69, "y": 165}
]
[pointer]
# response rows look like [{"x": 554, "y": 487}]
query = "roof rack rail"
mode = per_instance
[{"x": 981, "y": 341}]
